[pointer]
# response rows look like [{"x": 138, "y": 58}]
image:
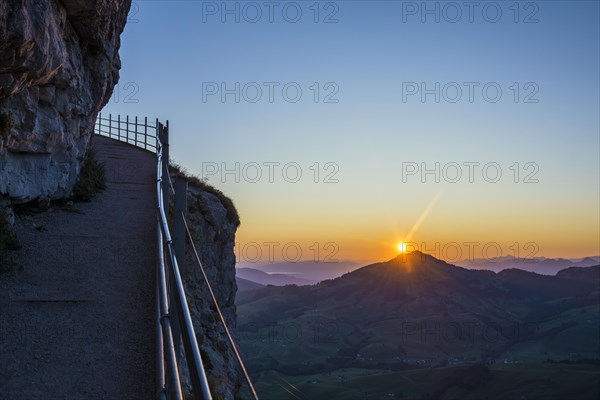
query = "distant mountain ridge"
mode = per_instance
[
  {"x": 264, "y": 278},
  {"x": 540, "y": 265},
  {"x": 418, "y": 273},
  {"x": 312, "y": 271}
]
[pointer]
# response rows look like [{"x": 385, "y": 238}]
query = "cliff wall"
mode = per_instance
[{"x": 59, "y": 62}]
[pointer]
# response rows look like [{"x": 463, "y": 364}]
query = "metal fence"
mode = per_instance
[
  {"x": 174, "y": 322},
  {"x": 137, "y": 132}
]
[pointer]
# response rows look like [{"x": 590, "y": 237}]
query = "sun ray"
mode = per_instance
[{"x": 422, "y": 217}]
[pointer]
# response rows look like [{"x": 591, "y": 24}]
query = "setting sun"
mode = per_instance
[{"x": 402, "y": 247}]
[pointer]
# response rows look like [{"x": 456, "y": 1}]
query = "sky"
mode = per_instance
[{"x": 342, "y": 128}]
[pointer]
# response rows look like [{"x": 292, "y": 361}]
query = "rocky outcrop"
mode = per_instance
[
  {"x": 213, "y": 231},
  {"x": 59, "y": 63}
]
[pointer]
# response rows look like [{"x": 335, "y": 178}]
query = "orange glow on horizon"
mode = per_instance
[{"x": 439, "y": 227}]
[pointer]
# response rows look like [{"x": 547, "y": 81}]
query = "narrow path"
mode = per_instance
[{"x": 77, "y": 307}]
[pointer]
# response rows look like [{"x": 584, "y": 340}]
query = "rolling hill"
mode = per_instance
[{"x": 244, "y": 285}]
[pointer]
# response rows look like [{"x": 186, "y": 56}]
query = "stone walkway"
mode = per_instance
[{"x": 77, "y": 308}]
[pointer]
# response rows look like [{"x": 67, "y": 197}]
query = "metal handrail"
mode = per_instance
[
  {"x": 170, "y": 292},
  {"x": 190, "y": 343},
  {"x": 168, "y": 381}
]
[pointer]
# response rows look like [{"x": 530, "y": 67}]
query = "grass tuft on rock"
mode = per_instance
[
  {"x": 92, "y": 178},
  {"x": 193, "y": 180}
]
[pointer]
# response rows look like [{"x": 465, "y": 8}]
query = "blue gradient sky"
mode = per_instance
[{"x": 169, "y": 52}]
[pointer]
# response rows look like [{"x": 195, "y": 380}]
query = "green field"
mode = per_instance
[
  {"x": 515, "y": 381},
  {"x": 283, "y": 355}
]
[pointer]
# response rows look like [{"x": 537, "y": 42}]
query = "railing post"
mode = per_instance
[
  {"x": 165, "y": 162},
  {"x": 181, "y": 186},
  {"x": 146, "y": 133},
  {"x": 136, "y": 131}
]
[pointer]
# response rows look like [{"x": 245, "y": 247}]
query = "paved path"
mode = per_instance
[{"x": 77, "y": 307}]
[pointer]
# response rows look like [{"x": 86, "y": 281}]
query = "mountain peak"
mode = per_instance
[{"x": 414, "y": 257}]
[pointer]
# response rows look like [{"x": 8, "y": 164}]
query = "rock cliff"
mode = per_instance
[
  {"x": 59, "y": 62},
  {"x": 213, "y": 231}
]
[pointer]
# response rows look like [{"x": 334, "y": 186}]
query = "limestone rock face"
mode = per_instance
[
  {"x": 59, "y": 63},
  {"x": 214, "y": 237}
]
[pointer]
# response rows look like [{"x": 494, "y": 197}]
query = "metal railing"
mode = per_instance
[
  {"x": 137, "y": 132},
  {"x": 174, "y": 322}
]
